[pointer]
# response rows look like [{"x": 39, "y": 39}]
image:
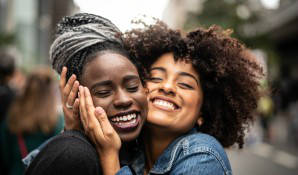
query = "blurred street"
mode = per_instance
[
  {"x": 277, "y": 158},
  {"x": 268, "y": 28}
]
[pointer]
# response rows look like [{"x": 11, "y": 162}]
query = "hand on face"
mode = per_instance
[
  {"x": 70, "y": 103},
  {"x": 97, "y": 125}
]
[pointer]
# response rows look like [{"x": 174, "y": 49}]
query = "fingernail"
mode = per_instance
[{"x": 99, "y": 110}]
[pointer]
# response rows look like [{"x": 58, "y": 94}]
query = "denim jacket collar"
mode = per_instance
[{"x": 165, "y": 162}]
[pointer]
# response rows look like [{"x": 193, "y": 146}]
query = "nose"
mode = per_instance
[
  {"x": 167, "y": 87},
  {"x": 122, "y": 100}
]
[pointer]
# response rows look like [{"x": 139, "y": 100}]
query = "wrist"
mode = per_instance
[{"x": 110, "y": 162}]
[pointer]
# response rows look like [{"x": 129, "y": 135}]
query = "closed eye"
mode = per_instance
[
  {"x": 185, "y": 86},
  {"x": 103, "y": 93},
  {"x": 155, "y": 79},
  {"x": 132, "y": 89}
]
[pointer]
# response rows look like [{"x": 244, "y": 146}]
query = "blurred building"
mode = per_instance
[
  {"x": 32, "y": 24},
  {"x": 175, "y": 14}
]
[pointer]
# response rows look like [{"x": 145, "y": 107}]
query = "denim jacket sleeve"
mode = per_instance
[{"x": 124, "y": 171}]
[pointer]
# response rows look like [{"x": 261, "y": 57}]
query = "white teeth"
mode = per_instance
[
  {"x": 129, "y": 118},
  {"x": 164, "y": 104}
]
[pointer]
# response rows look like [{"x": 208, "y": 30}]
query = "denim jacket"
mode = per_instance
[{"x": 191, "y": 154}]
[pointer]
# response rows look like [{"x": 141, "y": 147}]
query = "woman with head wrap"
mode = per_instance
[
  {"x": 202, "y": 94},
  {"x": 92, "y": 50}
]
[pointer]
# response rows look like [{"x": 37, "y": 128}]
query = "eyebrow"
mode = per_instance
[
  {"x": 102, "y": 83},
  {"x": 180, "y": 73},
  {"x": 130, "y": 77},
  {"x": 109, "y": 82}
]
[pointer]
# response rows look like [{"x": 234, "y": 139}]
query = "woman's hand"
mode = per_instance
[
  {"x": 100, "y": 131},
  {"x": 70, "y": 103}
]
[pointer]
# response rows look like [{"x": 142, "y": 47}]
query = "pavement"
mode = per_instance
[{"x": 279, "y": 156}]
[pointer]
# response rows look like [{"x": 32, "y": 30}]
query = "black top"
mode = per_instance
[
  {"x": 6, "y": 98},
  {"x": 67, "y": 153}
]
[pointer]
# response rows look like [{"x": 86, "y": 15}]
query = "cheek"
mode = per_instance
[
  {"x": 193, "y": 101},
  {"x": 141, "y": 98},
  {"x": 151, "y": 86},
  {"x": 102, "y": 102}
]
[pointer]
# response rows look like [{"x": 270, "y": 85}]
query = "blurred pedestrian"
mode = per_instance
[
  {"x": 7, "y": 69},
  {"x": 32, "y": 119}
]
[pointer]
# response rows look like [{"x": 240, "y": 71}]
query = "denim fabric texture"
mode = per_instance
[{"x": 191, "y": 154}]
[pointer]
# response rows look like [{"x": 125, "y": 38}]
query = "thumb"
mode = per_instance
[{"x": 105, "y": 124}]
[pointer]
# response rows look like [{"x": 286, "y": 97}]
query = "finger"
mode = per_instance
[
  {"x": 89, "y": 102},
  {"x": 62, "y": 78},
  {"x": 82, "y": 108},
  {"x": 66, "y": 90},
  {"x": 93, "y": 122},
  {"x": 75, "y": 109},
  {"x": 105, "y": 124},
  {"x": 73, "y": 93}
]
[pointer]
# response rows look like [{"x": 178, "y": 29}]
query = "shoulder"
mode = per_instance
[
  {"x": 196, "y": 142},
  {"x": 203, "y": 149},
  {"x": 67, "y": 153}
]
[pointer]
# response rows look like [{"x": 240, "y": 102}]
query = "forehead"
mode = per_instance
[
  {"x": 167, "y": 62},
  {"x": 109, "y": 66}
]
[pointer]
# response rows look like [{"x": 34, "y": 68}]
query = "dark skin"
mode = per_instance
[
  {"x": 115, "y": 86},
  {"x": 115, "y": 90}
]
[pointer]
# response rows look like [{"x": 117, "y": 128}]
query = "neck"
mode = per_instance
[{"x": 156, "y": 141}]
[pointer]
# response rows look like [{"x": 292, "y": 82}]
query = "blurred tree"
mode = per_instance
[
  {"x": 6, "y": 39},
  {"x": 236, "y": 15}
]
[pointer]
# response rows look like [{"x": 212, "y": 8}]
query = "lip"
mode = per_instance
[
  {"x": 177, "y": 107},
  {"x": 124, "y": 126}
]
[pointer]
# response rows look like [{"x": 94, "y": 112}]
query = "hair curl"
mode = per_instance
[{"x": 229, "y": 80}]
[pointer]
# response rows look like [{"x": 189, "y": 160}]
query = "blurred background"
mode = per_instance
[{"x": 269, "y": 28}]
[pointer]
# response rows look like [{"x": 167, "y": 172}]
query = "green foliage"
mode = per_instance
[
  {"x": 224, "y": 14},
  {"x": 6, "y": 39}
]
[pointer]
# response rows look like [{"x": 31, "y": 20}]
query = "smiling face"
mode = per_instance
[
  {"x": 175, "y": 95},
  {"x": 115, "y": 85}
]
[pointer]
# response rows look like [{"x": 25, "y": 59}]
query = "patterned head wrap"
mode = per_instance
[{"x": 75, "y": 33}]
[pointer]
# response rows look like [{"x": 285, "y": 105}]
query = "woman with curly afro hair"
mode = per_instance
[{"x": 202, "y": 92}]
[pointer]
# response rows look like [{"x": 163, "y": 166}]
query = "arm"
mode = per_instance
[{"x": 100, "y": 131}]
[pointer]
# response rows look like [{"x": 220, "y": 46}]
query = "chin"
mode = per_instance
[
  {"x": 128, "y": 137},
  {"x": 158, "y": 118}
]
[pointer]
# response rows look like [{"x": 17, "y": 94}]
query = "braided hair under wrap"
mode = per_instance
[{"x": 76, "y": 34}]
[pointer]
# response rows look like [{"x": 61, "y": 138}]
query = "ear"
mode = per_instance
[{"x": 200, "y": 121}]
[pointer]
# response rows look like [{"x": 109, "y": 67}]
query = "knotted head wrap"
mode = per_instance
[{"x": 80, "y": 35}]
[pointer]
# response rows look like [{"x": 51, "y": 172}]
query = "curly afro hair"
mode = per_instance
[{"x": 229, "y": 80}]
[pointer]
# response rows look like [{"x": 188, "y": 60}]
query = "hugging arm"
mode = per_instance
[
  {"x": 101, "y": 133},
  {"x": 93, "y": 120}
]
